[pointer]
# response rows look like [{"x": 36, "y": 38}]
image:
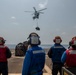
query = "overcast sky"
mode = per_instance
[{"x": 58, "y": 19}]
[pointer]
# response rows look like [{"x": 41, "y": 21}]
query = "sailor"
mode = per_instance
[
  {"x": 69, "y": 56},
  {"x": 55, "y": 54},
  {"x": 5, "y": 53},
  {"x": 35, "y": 57}
]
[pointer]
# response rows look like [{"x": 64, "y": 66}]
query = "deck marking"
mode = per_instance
[{"x": 47, "y": 69}]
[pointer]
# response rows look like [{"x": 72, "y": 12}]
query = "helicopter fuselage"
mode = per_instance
[{"x": 36, "y": 15}]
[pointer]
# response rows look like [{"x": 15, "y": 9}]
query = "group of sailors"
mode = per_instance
[
  {"x": 59, "y": 54},
  {"x": 62, "y": 57},
  {"x": 34, "y": 60}
]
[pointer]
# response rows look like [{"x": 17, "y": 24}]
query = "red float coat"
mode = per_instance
[
  {"x": 3, "y": 57},
  {"x": 71, "y": 57}
]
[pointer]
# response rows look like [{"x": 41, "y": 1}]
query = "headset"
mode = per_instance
[
  {"x": 57, "y": 39},
  {"x": 73, "y": 41},
  {"x": 34, "y": 39},
  {"x": 2, "y": 41}
]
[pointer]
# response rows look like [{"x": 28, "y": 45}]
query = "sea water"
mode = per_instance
[{"x": 46, "y": 46}]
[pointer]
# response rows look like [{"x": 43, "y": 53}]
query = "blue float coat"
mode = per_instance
[
  {"x": 63, "y": 58},
  {"x": 56, "y": 52},
  {"x": 30, "y": 61}
]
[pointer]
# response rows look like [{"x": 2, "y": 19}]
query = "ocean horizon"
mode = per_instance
[{"x": 47, "y": 46}]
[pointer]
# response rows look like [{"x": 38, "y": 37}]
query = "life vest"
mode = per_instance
[
  {"x": 3, "y": 57},
  {"x": 71, "y": 58}
]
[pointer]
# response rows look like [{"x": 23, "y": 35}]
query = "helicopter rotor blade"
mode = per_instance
[
  {"x": 42, "y": 9},
  {"x": 29, "y": 11},
  {"x": 41, "y": 12},
  {"x": 34, "y": 8}
]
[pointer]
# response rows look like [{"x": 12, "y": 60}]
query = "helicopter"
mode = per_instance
[{"x": 36, "y": 13}]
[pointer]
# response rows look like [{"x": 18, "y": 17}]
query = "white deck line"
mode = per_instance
[{"x": 48, "y": 70}]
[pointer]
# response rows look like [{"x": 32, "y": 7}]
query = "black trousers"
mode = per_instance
[
  {"x": 57, "y": 67},
  {"x": 4, "y": 68}
]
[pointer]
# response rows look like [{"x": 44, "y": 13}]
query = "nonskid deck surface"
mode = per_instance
[
  {"x": 20, "y": 74},
  {"x": 15, "y": 64}
]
